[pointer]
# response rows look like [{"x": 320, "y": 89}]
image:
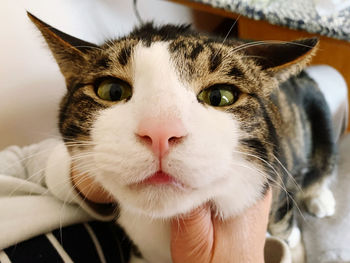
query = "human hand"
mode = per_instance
[{"x": 199, "y": 237}]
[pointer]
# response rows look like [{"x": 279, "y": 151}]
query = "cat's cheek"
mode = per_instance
[
  {"x": 117, "y": 151},
  {"x": 234, "y": 197},
  {"x": 208, "y": 151}
]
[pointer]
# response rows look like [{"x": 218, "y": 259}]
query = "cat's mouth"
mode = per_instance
[{"x": 160, "y": 178}]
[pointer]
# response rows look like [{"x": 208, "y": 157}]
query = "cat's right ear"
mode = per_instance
[
  {"x": 69, "y": 52},
  {"x": 283, "y": 59}
]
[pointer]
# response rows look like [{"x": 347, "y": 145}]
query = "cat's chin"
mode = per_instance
[
  {"x": 163, "y": 214},
  {"x": 161, "y": 202},
  {"x": 167, "y": 201}
]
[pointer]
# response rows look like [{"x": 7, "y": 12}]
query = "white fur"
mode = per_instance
[
  {"x": 294, "y": 238},
  {"x": 321, "y": 202},
  {"x": 205, "y": 161},
  {"x": 152, "y": 236}
]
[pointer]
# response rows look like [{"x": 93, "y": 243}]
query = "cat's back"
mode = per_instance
[{"x": 304, "y": 123}]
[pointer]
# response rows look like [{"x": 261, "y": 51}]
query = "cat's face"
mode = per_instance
[
  {"x": 166, "y": 120},
  {"x": 203, "y": 141}
]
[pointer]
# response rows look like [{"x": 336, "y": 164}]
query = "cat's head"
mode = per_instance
[{"x": 166, "y": 119}]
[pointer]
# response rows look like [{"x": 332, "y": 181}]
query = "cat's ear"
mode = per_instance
[
  {"x": 283, "y": 59},
  {"x": 69, "y": 52}
]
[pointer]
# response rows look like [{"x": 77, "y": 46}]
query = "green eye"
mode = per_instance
[
  {"x": 219, "y": 95},
  {"x": 114, "y": 90}
]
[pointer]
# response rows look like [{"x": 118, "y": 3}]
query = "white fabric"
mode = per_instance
[
  {"x": 36, "y": 194},
  {"x": 329, "y": 7}
]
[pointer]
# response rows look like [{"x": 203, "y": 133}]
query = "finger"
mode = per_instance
[
  {"x": 192, "y": 236},
  {"x": 248, "y": 233},
  {"x": 258, "y": 213}
]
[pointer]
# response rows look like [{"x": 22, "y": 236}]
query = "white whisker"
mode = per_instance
[
  {"x": 226, "y": 36},
  {"x": 283, "y": 186}
]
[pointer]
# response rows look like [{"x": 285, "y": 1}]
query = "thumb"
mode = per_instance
[{"x": 192, "y": 236}]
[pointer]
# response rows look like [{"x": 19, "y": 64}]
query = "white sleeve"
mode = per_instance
[
  {"x": 44, "y": 169},
  {"x": 27, "y": 163},
  {"x": 37, "y": 195},
  {"x": 28, "y": 207}
]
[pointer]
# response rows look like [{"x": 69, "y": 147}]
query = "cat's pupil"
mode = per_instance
[
  {"x": 215, "y": 97},
  {"x": 115, "y": 92}
]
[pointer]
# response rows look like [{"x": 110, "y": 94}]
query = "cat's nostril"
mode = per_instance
[
  {"x": 174, "y": 140},
  {"x": 145, "y": 139}
]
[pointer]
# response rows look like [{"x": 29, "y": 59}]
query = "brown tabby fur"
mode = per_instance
[{"x": 285, "y": 118}]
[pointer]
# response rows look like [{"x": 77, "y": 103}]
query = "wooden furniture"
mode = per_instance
[{"x": 333, "y": 52}]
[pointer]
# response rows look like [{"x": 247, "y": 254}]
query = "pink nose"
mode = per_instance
[{"x": 159, "y": 134}]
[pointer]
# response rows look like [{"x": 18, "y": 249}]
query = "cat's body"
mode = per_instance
[{"x": 166, "y": 119}]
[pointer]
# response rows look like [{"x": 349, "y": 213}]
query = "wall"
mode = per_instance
[{"x": 30, "y": 82}]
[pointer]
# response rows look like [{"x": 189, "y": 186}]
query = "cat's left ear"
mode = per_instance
[
  {"x": 69, "y": 52},
  {"x": 283, "y": 59}
]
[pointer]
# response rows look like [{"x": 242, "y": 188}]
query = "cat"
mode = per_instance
[{"x": 170, "y": 119}]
